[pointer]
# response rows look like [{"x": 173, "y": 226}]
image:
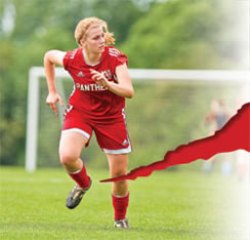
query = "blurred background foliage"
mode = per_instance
[{"x": 173, "y": 34}]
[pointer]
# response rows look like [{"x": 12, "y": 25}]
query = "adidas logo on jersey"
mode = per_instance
[
  {"x": 80, "y": 74},
  {"x": 125, "y": 142}
]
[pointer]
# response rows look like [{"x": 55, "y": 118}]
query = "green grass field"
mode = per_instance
[{"x": 167, "y": 205}]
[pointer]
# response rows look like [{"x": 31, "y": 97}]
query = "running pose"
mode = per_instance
[{"x": 101, "y": 84}]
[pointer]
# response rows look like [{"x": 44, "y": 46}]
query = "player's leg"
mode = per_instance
[
  {"x": 71, "y": 145},
  {"x": 113, "y": 138},
  {"x": 120, "y": 194}
]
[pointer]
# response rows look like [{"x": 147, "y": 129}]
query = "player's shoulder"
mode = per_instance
[
  {"x": 114, "y": 56},
  {"x": 72, "y": 57},
  {"x": 72, "y": 54},
  {"x": 112, "y": 51}
]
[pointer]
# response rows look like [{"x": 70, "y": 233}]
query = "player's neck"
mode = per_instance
[{"x": 91, "y": 59}]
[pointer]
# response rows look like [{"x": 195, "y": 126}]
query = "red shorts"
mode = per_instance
[{"x": 111, "y": 134}]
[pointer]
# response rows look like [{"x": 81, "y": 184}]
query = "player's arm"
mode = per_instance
[
  {"x": 123, "y": 88},
  {"x": 51, "y": 59}
]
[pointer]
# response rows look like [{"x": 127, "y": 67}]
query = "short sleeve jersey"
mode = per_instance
[{"x": 93, "y": 100}]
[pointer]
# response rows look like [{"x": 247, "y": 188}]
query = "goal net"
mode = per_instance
[{"x": 169, "y": 109}]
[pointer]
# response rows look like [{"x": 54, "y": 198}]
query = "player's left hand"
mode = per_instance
[{"x": 99, "y": 78}]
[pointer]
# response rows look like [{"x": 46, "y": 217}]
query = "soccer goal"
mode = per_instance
[{"x": 158, "y": 94}]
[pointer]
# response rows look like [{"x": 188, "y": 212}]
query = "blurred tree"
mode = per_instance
[
  {"x": 37, "y": 17},
  {"x": 185, "y": 34}
]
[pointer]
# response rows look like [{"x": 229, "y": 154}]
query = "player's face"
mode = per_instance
[{"x": 95, "y": 40}]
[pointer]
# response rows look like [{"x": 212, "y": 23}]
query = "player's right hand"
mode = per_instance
[{"x": 52, "y": 100}]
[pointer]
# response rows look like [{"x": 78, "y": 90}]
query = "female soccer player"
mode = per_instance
[{"x": 101, "y": 84}]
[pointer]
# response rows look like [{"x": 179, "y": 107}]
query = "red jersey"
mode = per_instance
[{"x": 93, "y": 100}]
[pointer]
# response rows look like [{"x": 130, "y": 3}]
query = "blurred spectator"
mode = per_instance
[
  {"x": 217, "y": 116},
  {"x": 216, "y": 119}
]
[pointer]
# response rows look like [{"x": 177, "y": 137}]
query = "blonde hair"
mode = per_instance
[{"x": 83, "y": 26}]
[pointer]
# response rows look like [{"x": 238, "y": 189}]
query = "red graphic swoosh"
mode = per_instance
[{"x": 235, "y": 135}]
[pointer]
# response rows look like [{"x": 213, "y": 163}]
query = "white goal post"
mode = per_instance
[{"x": 36, "y": 73}]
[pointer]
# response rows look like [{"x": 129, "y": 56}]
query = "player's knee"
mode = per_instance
[
  {"x": 118, "y": 165},
  {"x": 67, "y": 157}
]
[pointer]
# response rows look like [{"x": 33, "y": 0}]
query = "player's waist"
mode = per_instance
[{"x": 103, "y": 111}]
